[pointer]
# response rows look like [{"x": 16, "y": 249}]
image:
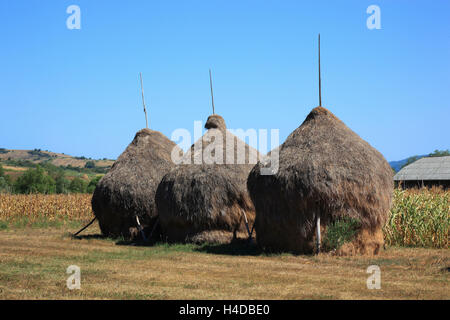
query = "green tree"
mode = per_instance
[
  {"x": 5, "y": 186},
  {"x": 440, "y": 153},
  {"x": 2, "y": 171},
  {"x": 93, "y": 183},
  {"x": 78, "y": 185},
  {"x": 5, "y": 181},
  {"x": 89, "y": 164},
  {"x": 410, "y": 160},
  {"x": 62, "y": 184},
  {"x": 35, "y": 181}
]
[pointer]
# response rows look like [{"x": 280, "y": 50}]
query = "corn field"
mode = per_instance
[
  {"x": 419, "y": 218},
  {"x": 37, "y": 207}
]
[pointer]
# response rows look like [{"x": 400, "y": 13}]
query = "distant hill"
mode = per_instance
[
  {"x": 38, "y": 156},
  {"x": 397, "y": 165}
]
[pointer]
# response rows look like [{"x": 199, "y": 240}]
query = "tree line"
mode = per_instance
[
  {"x": 89, "y": 168},
  {"x": 39, "y": 180},
  {"x": 435, "y": 153}
]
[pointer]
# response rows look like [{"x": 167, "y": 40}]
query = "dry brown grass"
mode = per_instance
[
  {"x": 12, "y": 168},
  {"x": 57, "y": 159},
  {"x": 33, "y": 265}
]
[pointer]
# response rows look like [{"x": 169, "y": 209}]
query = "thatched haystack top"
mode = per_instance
[
  {"x": 149, "y": 142},
  {"x": 320, "y": 111},
  {"x": 215, "y": 122},
  {"x": 325, "y": 159},
  {"x": 149, "y": 152},
  {"x": 325, "y": 169},
  {"x": 128, "y": 189},
  {"x": 324, "y": 153},
  {"x": 219, "y": 146}
]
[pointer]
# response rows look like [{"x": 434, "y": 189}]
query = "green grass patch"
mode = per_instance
[
  {"x": 3, "y": 225},
  {"x": 339, "y": 232},
  {"x": 40, "y": 222},
  {"x": 136, "y": 253}
]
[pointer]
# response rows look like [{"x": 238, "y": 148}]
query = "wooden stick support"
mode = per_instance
[
  {"x": 246, "y": 225},
  {"x": 143, "y": 100},
  {"x": 92, "y": 221},
  {"x": 318, "y": 234},
  {"x": 141, "y": 230}
]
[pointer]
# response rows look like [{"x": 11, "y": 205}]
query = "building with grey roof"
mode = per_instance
[{"x": 428, "y": 171}]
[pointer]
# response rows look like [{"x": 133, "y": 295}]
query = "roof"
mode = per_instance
[{"x": 430, "y": 168}]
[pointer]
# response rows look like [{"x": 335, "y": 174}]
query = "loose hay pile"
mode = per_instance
[
  {"x": 203, "y": 199},
  {"x": 325, "y": 169},
  {"x": 128, "y": 189}
]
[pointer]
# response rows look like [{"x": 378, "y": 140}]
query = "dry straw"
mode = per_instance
[
  {"x": 128, "y": 190},
  {"x": 205, "y": 202},
  {"x": 325, "y": 170}
]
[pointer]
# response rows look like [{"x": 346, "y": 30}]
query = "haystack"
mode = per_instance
[
  {"x": 204, "y": 198},
  {"x": 128, "y": 189},
  {"x": 325, "y": 170}
]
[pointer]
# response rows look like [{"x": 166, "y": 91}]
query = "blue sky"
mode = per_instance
[{"x": 77, "y": 91}]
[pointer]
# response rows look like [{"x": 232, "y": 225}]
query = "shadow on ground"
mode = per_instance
[
  {"x": 239, "y": 247},
  {"x": 136, "y": 243},
  {"x": 90, "y": 236},
  {"x": 235, "y": 248}
]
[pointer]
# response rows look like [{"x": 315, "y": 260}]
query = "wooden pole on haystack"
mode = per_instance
[
  {"x": 143, "y": 101},
  {"x": 320, "y": 104},
  {"x": 212, "y": 94},
  {"x": 320, "y": 80}
]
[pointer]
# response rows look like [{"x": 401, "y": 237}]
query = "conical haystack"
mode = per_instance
[
  {"x": 128, "y": 189},
  {"x": 326, "y": 170},
  {"x": 203, "y": 199}
]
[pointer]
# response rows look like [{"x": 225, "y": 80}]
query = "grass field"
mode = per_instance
[
  {"x": 36, "y": 249},
  {"x": 33, "y": 264}
]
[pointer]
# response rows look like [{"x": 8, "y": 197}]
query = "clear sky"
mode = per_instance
[{"x": 77, "y": 91}]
